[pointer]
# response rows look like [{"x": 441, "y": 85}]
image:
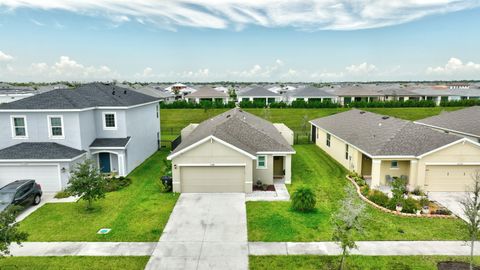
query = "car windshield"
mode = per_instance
[{"x": 6, "y": 197}]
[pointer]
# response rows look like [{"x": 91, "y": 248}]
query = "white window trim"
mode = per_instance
[
  {"x": 49, "y": 123},
  {"x": 104, "y": 122},
  {"x": 12, "y": 124},
  {"x": 265, "y": 161}
]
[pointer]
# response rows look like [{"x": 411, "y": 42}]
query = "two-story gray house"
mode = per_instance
[{"x": 42, "y": 137}]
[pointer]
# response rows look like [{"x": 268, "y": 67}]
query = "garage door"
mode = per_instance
[
  {"x": 449, "y": 178},
  {"x": 212, "y": 179},
  {"x": 46, "y": 175}
]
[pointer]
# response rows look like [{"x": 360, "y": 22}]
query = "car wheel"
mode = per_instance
[{"x": 36, "y": 200}]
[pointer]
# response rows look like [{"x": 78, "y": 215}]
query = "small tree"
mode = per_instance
[
  {"x": 471, "y": 210},
  {"x": 87, "y": 182},
  {"x": 348, "y": 221},
  {"x": 303, "y": 199},
  {"x": 9, "y": 232}
]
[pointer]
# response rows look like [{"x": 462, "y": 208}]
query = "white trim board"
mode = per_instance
[
  {"x": 81, "y": 110},
  {"x": 447, "y": 129},
  {"x": 211, "y": 138},
  {"x": 211, "y": 165}
]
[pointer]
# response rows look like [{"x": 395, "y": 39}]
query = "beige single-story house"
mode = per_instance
[
  {"x": 380, "y": 147},
  {"x": 230, "y": 153},
  {"x": 464, "y": 123},
  {"x": 207, "y": 93}
]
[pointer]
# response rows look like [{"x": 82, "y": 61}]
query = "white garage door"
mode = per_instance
[
  {"x": 449, "y": 178},
  {"x": 212, "y": 179},
  {"x": 46, "y": 175}
]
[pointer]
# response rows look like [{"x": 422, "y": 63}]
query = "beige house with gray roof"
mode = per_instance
[
  {"x": 231, "y": 152},
  {"x": 381, "y": 147}
]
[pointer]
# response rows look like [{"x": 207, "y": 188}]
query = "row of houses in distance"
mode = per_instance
[{"x": 342, "y": 93}]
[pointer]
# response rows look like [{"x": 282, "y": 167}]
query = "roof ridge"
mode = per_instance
[{"x": 405, "y": 123}]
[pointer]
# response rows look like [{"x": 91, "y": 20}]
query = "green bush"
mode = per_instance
[
  {"x": 365, "y": 190},
  {"x": 391, "y": 104},
  {"x": 399, "y": 188},
  {"x": 304, "y": 199},
  {"x": 460, "y": 103},
  {"x": 410, "y": 205},
  {"x": 114, "y": 184},
  {"x": 62, "y": 194},
  {"x": 379, "y": 198}
]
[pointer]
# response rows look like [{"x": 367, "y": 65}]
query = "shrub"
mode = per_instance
[
  {"x": 114, "y": 184},
  {"x": 399, "y": 188},
  {"x": 378, "y": 198},
  {"x": 62, "y": 194},
  {"x": 418, "y": 191},
  {"x": 410, "y": 205},
  {"x": 442, "y": 211},
  {"x": 167, "y": 183},
  {"x": 424, "y": 202},
  {"x": 365, "y": 190},
  {"x": 304, "y": 199}
]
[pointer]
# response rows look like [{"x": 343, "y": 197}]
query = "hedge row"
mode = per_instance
[{"x": 182, "y": 104}]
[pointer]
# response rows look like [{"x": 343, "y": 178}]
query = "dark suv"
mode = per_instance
[{"x": 20, "y": 192}]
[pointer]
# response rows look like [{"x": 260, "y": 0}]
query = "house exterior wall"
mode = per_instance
[
  {"x": 458, "y": 154},
  {"x": 337, "y": 151},
  {"x": 143, "y": 126},
  {"x": 121, "y": 129},
  {"x": 210, "y": 153},
  {"x": 263, "y": 175}
]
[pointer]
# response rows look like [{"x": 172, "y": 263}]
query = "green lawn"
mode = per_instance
[
  {"x": 173, "y": 120},
  {"x": 72, "y": 263},
  {"x": 136, "y": 213},
  {"x": 275, "y": 221},
  {"x": 353, "y": 262}
]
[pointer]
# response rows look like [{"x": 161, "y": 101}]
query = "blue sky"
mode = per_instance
[{"x": 195, "y": 41}]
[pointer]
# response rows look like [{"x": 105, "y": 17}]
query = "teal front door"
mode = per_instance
[{"x": 104, "y": 162}]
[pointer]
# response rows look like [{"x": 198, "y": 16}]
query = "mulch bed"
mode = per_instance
[
  {"x": 269, "y": 188},
  {"x": 455, "y": 266}
]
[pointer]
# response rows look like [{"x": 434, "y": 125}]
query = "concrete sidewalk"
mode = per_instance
[
  {"x": 368, "y": 248},
  {"x": 83, "y": 249}
]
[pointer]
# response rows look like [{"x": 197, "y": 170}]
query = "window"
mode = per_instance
[
  {"x": 19, "y": 127},
  {"x": 109, "y": 121},
  {"x": 55, "y": 126},
  {"x": 394, "y": 164},
  {"x": 158, "y": 110},
  {"x": 328, "y": 139},
  {"x": 261, "y": 162},
  {"x": 346, "y": 151},
  {"x": 316, "y": 132}
]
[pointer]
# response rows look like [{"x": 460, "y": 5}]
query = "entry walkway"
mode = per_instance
[{"x": 205, "y": 231}]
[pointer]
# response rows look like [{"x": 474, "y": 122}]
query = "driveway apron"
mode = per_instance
[{"x": 205, "y": 231}]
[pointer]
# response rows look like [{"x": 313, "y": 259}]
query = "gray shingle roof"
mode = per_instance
[
  {"x": 241, "y": 129},
  {"x": 153, "y": 92},
  {"x": 380, "y": 135},
  {"x": 41, "y": 151},
  {"x": 85, "y": 96},
  {"x": 310, "y": 91},
  {"x": 110, "y": 142},
  {"x": 465, "y": 120},
  {"x": 207, "y": 92},
  {"x": 258, "y": 91}
]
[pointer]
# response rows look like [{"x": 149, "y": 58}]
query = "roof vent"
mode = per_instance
[
  {"x": 385, "y": 117},
  {"x": 228, "y": 116},
  {"x": 362, "y": 112},
  {"x": 125, "y": 91},
  {"x": 113, "y": 92}
]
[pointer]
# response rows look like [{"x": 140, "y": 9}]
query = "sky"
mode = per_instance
[{"x": 239, "y": 40}]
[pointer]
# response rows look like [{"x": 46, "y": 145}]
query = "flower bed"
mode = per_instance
[{"x": 410, "y": 207}]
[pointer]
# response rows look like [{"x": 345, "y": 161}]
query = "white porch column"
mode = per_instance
[
  {"x": 439, "y": 99},
  {"x": 305, "y": 99},
  {"x": 251, "y": 98},
  {"x": 288, "y": 169},
  {"x": 121, "y": 165},
  {"x": 412, "y": 177},
  {"x": 376, "y": 164}
]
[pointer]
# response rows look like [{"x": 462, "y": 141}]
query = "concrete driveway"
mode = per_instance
[
  {"x": 205, "y": 231},
  {"x": 450, "y": 200}
]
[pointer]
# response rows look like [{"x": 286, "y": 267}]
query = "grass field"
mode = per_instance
[
  {"x": 139, "y": 212},
  {"x": 353, "y": 262},
  {"x": 72, "y": 263},
  {"x": 173, "y": 120},
  {"x": 275, "y": 221}
]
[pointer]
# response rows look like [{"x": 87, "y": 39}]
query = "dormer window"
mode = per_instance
[
  {"x": 19, "y": 127},
  {"x": 109, "y": 121}
]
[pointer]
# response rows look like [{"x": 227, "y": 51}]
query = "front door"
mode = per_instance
[
  {"x": 104, "y": 162},
  {"x": 278, "y": 170}
]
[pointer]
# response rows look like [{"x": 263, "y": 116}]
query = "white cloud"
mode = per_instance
[
  {"x": 362, "y": 69},
  {"x": 456, "y": 69},
  {"x": 236, "y": 14},
  {"x": 5, "y": 57},
  {"x": 37, "y": 23}
]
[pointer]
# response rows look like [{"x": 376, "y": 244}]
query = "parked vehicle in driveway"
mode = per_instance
[{"x": 20, "y": 192}]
